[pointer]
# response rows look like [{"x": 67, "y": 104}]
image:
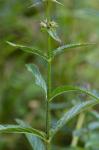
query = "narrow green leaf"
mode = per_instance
[
  {"x": 35, "y": 4},
  {"x": 75, "y": 110},
  {"x": 20, "y": 129},
  {"x": 34, "y": 141},
  {"x": 63, "y": 48},
  {"x": 52, "y": 32},
  {"x": 38, "y": 77},
  {"x": 27, "y": 49},
  {"x": 41, "y": 1},
  {"x": 63, "y": 89},
  {"x": 57, "y": 2}
]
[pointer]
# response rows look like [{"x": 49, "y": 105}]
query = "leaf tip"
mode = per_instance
[{"x": 10, "y": 43}]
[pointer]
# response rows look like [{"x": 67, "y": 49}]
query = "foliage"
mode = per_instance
[{"x": 16, "y": 87}]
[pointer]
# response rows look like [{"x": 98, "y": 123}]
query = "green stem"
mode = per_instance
[
  {"x": 48, "y": 83},
  {"x": 80, "y": 122}
]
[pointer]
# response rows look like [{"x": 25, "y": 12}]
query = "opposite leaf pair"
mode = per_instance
[
  {"x": 41, "y": 1},
  {"x": 57, "y": 51}
]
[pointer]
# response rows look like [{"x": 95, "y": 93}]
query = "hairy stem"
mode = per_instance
[
  {"x": 80, "y": 122},
  {"x": 48, "y": 82}
]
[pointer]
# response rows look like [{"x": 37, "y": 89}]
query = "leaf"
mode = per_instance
[
  {"x": 63, "y": 89},
  {"x": 57, "y": 2},
  {"x": 38, "y": 77},
  {"x": 20, "y": 129},
  {"x": 52, "y": 32},
  {"x": 27, "y": 49},
  {"x": 35, "y": 4},
  {"x": 34, "y": 141},
  {"x": 40, "y": 2},
  {"x": 75, "y": 110},
  {"x": 63, "y": 48}
]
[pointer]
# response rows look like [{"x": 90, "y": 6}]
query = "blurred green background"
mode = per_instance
[{"x": 78, "y": 22}]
